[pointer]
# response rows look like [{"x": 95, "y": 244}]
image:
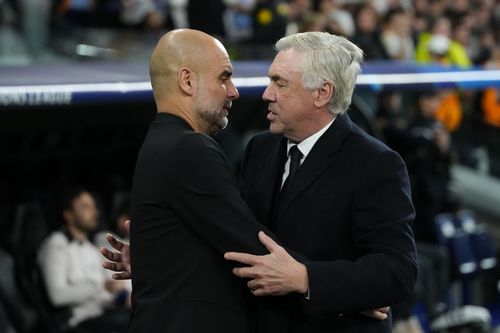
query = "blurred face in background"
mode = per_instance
[
  {"x": 366, "y": 20},
  {"x": 428, "y": 105},
  {"x": 402, "y": 24},
  {"x": 442, "y": 27},
  {"x": 83, "y": 213},
  {"x": 462, "y": 31}
]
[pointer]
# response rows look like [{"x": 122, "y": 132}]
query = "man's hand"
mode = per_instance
[
  {"x": 380, "y": 314},
  {"x": 276, "y": 273},
  {"x": 118, "y": 261}
]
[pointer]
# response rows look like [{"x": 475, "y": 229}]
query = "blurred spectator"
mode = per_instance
[
  {"x": 367, "y": 33},
  {"x": 485, "y": 46},
  {"x": 298, "y": 11},
  {"x": 312, "y": 21},
  {"x": 397, "y": 35},
  {"x": 385, "y": 6},
  {"x": 338, "y": 20},
  {"x": 490, "y": 103},
  {"x": 437, "y": 45},
  {"x": 436, "y": 8},
  {"x": 490, "y": 97},
  {"x": 72, "y": 271},
  {"x": 392, "y": 121},
  {"x": 178, "y": 10},
  {"x": 237, "y": 20},
  {"x": 449, "y": 112},
  {"x": 483, "y": 16},
  {"x": 207, "y": 16},
  {"x": 148, "y": 14},
  {"x": 428, "y": 160},
  {"x": 269, "y": 21}
]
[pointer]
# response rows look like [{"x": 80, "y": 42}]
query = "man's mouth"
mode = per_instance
[{"x": 271, "y": 115}]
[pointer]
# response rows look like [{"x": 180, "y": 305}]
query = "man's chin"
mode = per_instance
[
  {"x": 220, "y": 126},
  {"x": 275, "y": 129}
]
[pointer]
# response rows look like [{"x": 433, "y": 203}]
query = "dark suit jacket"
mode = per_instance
[
  {"x": 187, "y": 212},
  {"x": 349, "y": 211}
]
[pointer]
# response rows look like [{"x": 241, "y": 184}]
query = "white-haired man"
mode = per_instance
[{"x": 344, "y": 200}]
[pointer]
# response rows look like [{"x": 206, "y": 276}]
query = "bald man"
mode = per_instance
[{"x": 186, "y": 208}]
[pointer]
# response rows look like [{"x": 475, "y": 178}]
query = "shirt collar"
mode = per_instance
[{"x": 305, "y": 146}]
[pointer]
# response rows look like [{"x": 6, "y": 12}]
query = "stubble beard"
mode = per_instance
[{"x": 212, "y": 116}]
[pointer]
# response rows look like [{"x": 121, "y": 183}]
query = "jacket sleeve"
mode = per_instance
[
  {"x": 205, "y": 195},
  {"x": 386, "y": 269}
]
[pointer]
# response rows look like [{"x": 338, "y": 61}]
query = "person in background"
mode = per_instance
[
  {"x": 396, "y": 35},
  {"x": 71, "y": 268},
  {"x": 149, "y": 14},
  {"x": 367, "y": 33},
  {"x": 428, "y": 161},
  {"x": 437, "y": 45}
]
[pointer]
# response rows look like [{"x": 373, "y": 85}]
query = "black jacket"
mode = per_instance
[
  {"x": 186, "y": 213},
  {"x": 349, "y": 210}
]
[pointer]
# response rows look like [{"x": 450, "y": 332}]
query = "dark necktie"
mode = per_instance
[{"x": 295, "y": 157}]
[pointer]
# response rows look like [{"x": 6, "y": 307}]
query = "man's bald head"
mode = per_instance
[
  {"x": 191, "y": 78},
  {"x": 180, "y": 48}
]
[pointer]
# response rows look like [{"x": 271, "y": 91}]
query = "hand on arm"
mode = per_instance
[
  {"x": 118, "y": 261},
  {"x": 276, "y": 273}
]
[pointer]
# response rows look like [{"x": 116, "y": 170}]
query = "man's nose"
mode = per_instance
[
  {"x": 233, "y": 92},
  {"x": 268, "y": 96}
]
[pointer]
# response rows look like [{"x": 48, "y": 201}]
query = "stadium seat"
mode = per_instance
[
  {"x": 22, "y": 314},
  {"x": 29, "y": 230}
]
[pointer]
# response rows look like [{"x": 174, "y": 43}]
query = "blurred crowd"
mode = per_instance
[{"x": 458, "y": 32}]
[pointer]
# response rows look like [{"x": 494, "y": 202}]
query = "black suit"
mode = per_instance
[
  {"x": 187, "y": 212},
  {"x": 349, "y": 210}
]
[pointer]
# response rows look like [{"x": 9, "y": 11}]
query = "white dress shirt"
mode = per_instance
[
  {"x": 305, "y": 147},
  {"x": 74, "y": 276}
]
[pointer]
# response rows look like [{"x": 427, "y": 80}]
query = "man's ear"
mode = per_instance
[
  {"x": 324, "y": 94},
  {"x": 187, "y": 80}
]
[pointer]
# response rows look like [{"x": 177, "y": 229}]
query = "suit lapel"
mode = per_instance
[
  {"x": 271, "y": 173},
  {"x": 317, "y": 162}
]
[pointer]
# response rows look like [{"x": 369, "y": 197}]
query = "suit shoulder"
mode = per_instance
[
  {"x": 176, "y": 141},
  {"x": 368, "y": 143}
]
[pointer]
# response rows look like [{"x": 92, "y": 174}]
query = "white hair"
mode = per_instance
[{"x": 327, "y": 57}]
